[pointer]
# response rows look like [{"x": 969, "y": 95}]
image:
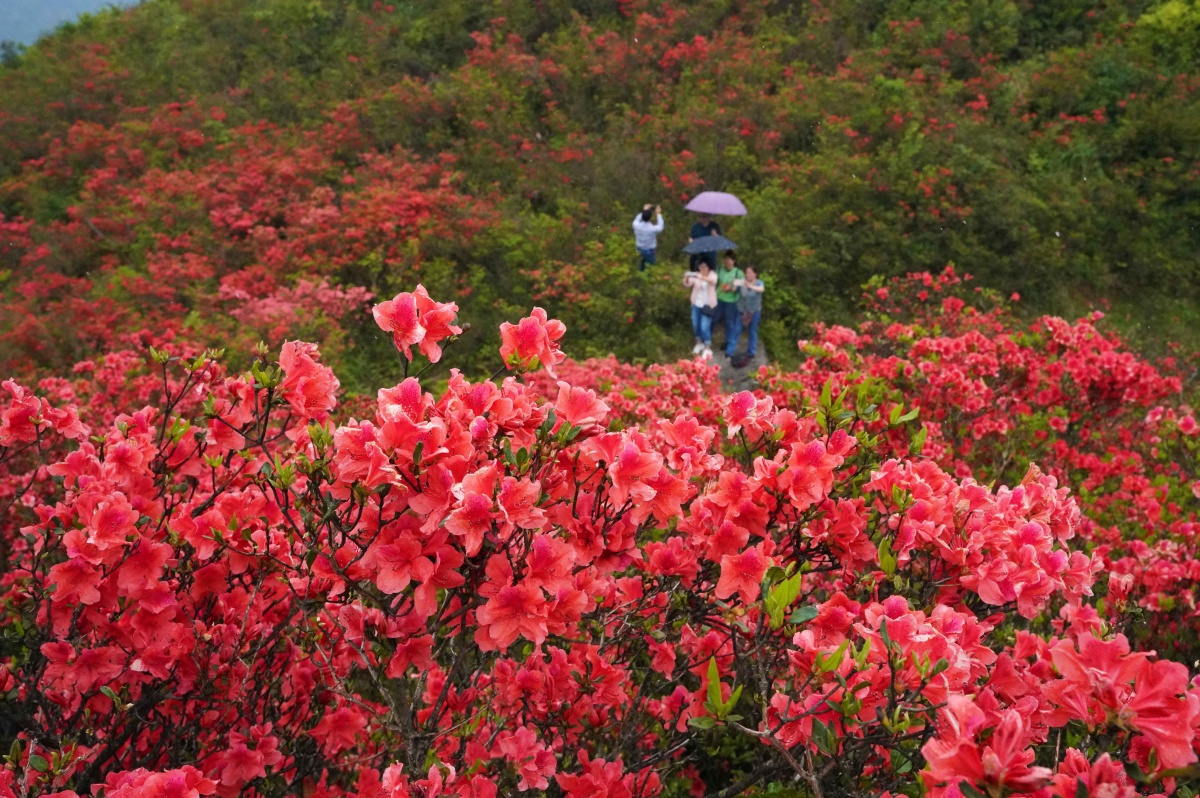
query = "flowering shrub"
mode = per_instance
[
  {"x": 941, "y": 552},
  {"x": 549, "y": 587}
]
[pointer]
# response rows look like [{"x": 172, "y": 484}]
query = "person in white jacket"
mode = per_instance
[
  {"x": 645, "y": 233},
  {"x": 703, "y": 283}
]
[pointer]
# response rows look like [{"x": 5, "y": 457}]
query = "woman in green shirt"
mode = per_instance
[
  {"x": 749, "y": 313},
  {"x": 728, "y": 294}
]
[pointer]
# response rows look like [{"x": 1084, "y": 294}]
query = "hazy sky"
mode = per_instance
[{"x": 24, "y": 20}]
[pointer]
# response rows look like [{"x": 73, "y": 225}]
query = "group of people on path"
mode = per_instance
[{"x": 721, "y": 292}]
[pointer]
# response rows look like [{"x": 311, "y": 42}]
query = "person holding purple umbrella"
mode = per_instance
[
  {"x": 716, "y": 203},
  {"x": 708, "y": 204},
  {"x": 704, "y": 226}
]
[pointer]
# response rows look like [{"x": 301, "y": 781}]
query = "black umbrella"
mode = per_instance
[{"x": 709, "y": 244}]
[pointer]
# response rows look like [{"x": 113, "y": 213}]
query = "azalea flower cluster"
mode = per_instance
[
  {"x": 541, "y": 586},
  {"x": 416, "y": 320}
]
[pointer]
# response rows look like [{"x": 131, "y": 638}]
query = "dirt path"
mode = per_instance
[{"x": 743, "y": 379}]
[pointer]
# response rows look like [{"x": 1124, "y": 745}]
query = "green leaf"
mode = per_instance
[
  {"x": 918, "y": 442},
  {"x": 14, "y": 753},
  {"x": 887, "y": 560},
  {"x": 1081, "y": 789},
  {"x": 860, "y": 656},
  {"x": 830, "y": 662},
  {"x": 966, "y": 789},
  {"x": 774, "y": 574},
  {"x": 1189, "y": 772},
  {"x": 108, "y": 691},
  {"x": 702, "y": 722},
  {"x": 883, "y": 633},
  {"x": 780, "y": 597},
  {"x": 714, "y": 683},
  {"x": 724, "y": 709},
  {"x": 38, "y": 763},
  {"x": 804, "y": 614},
  {"x": 824, "y": 737},
  {"x": 909, "y": 416},
  {"x": 939, "y": 666}
]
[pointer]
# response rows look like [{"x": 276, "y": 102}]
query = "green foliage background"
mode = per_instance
[{"x": 1050, "y": 148}]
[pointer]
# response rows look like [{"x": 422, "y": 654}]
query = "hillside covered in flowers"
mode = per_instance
[
  {"x": 225, "y": 172},
  {"x": 346, "y": 453}
]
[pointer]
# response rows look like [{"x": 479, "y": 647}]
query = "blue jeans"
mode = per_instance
[
  {"x": 648, "y": 256},
  {"x": 702, "y": 326},
  {"x": 752, "y": 346},
  {"x": 727, "y": 313}
]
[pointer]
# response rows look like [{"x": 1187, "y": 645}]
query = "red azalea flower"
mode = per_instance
[{"x": 531, "y": 342}]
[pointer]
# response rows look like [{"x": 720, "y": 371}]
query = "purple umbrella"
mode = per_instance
[{"x": 717, "y": 203}]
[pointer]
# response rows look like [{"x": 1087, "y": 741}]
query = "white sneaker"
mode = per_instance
[
  {"x": 697, "y": 349},
  {"x": 707, "y": 354}
]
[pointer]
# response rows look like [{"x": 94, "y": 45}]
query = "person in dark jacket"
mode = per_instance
[{"x": 704, "y": 226}]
